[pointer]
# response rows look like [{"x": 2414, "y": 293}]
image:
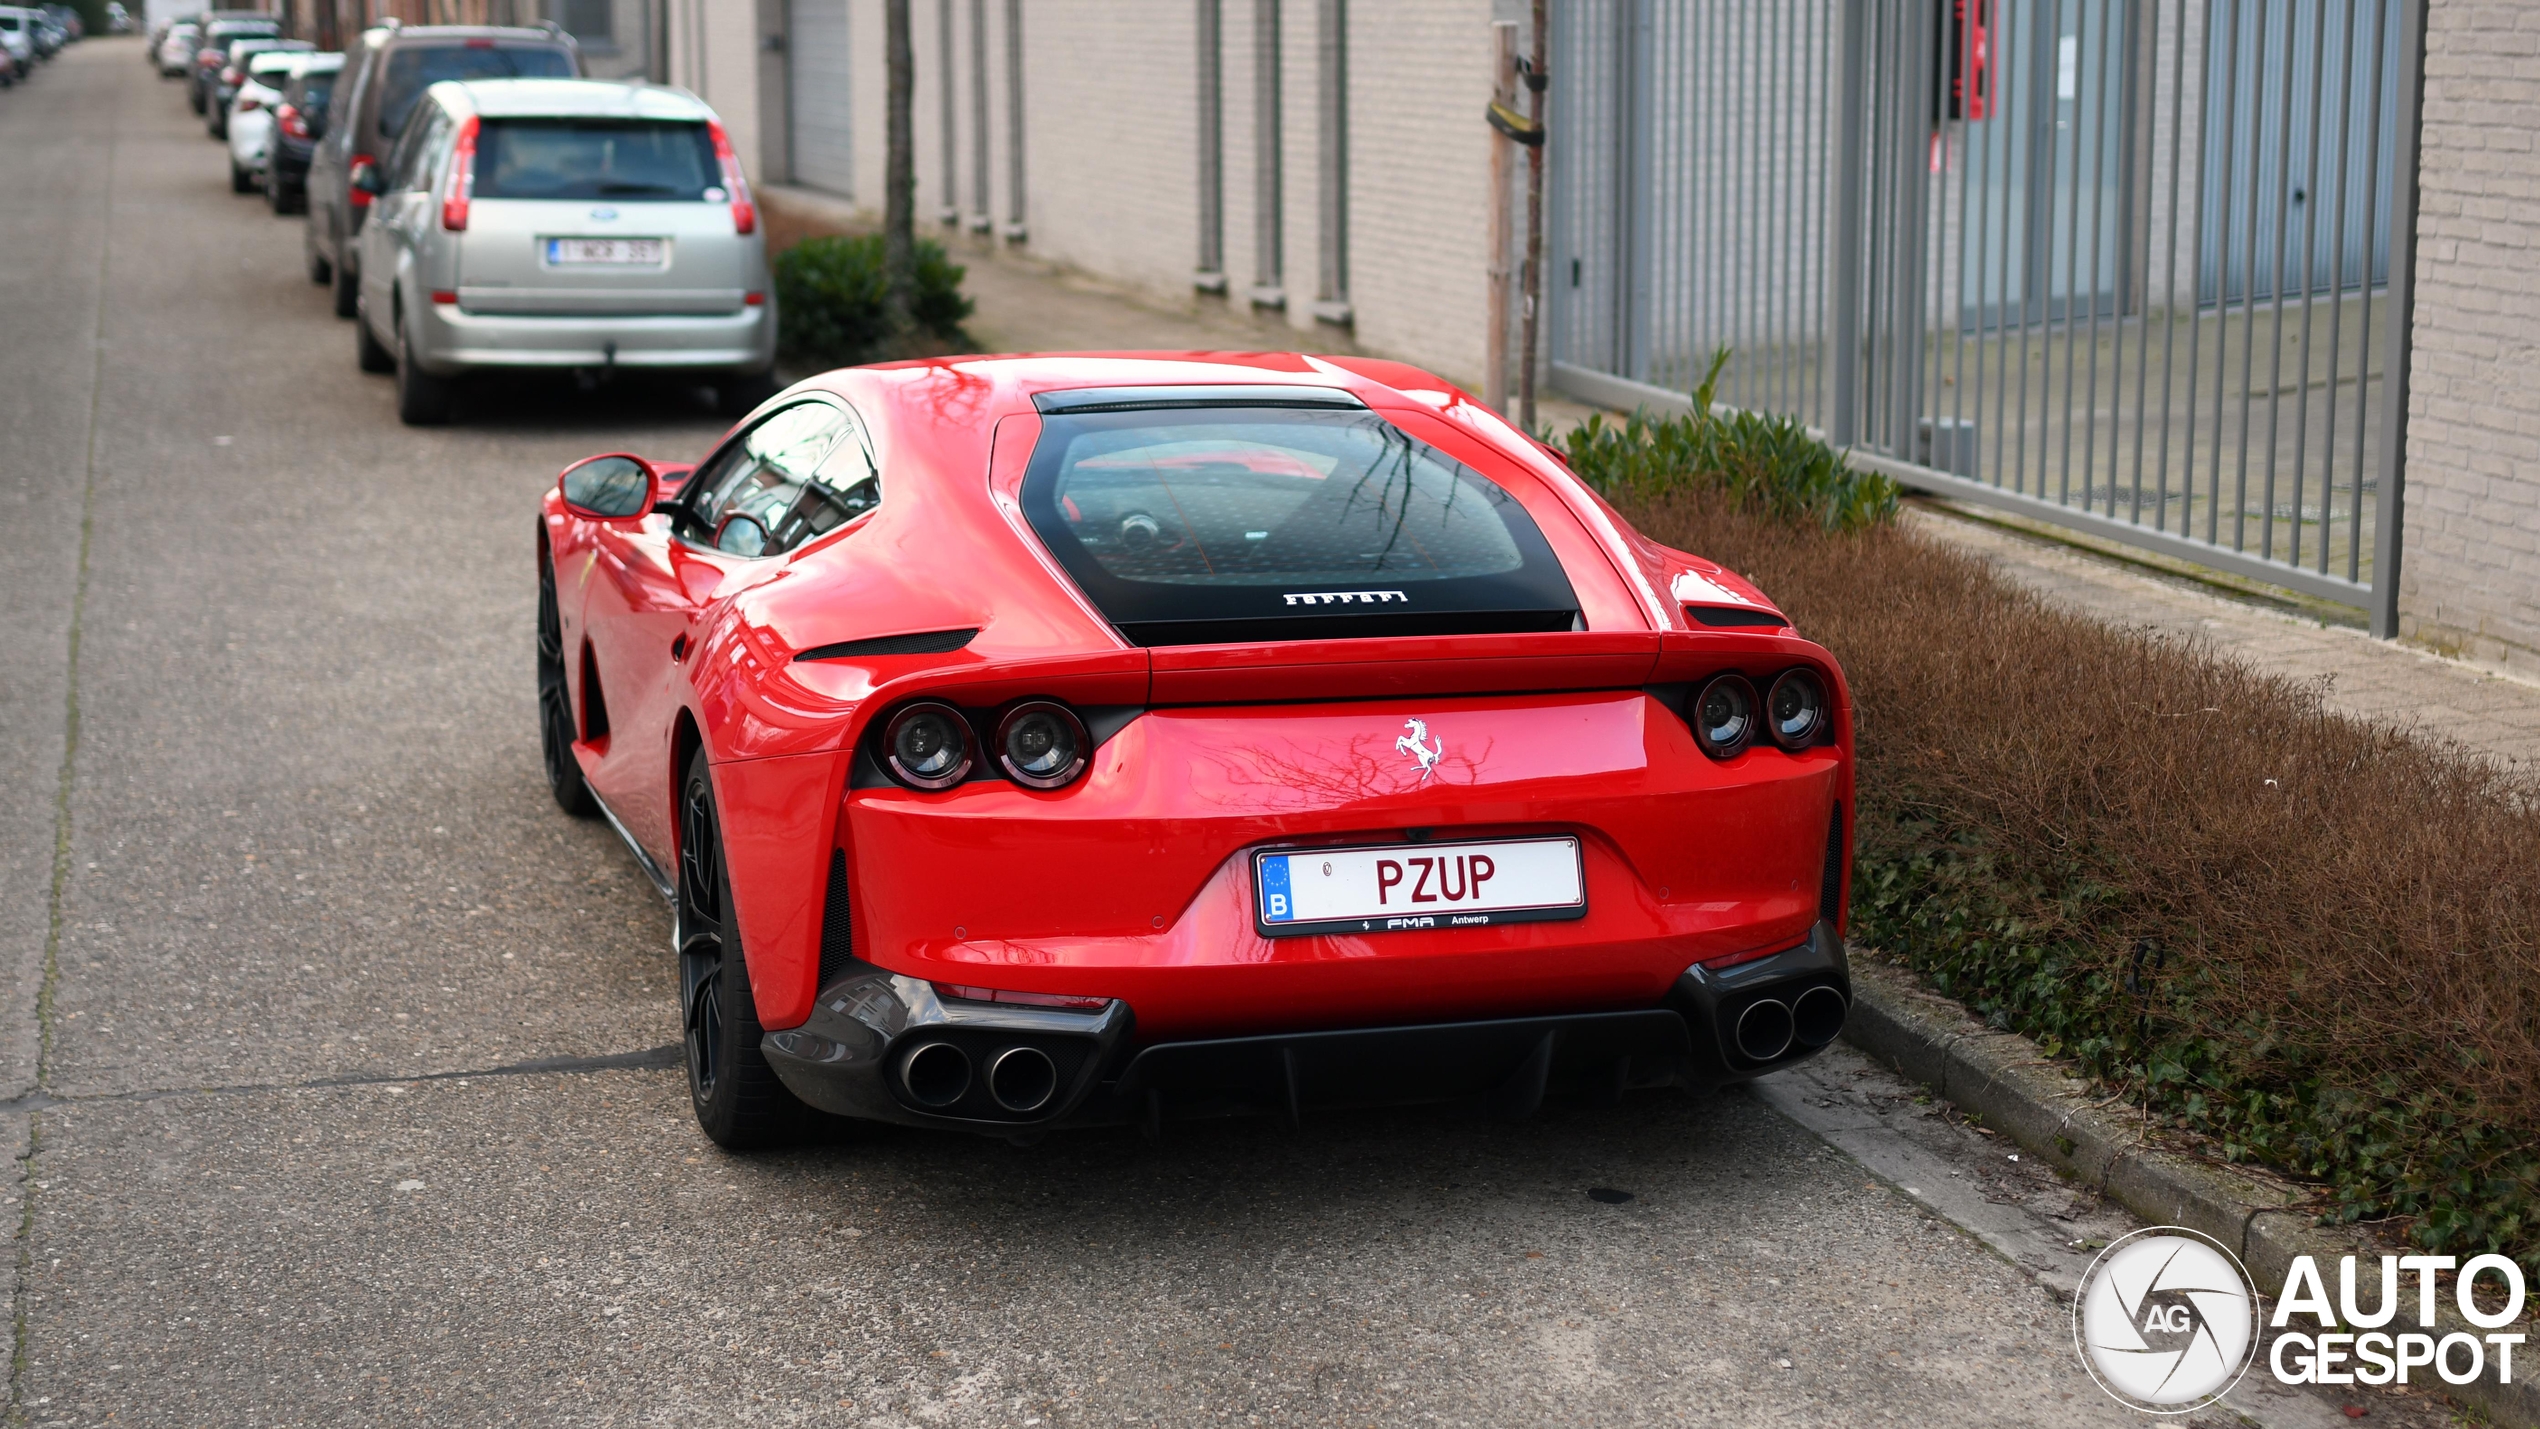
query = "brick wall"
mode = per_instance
[
  {"x": 1110, "y": 94},
  {"x": 2470, "y": 572}
]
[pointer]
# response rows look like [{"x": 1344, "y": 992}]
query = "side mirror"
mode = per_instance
[
  {"x": 365, "y": 177},
  {"x": 610, "y": 488}
]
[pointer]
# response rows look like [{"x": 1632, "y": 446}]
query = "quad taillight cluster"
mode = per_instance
[
  {"x": 1039, "y": 744},
  {"x": 1725, "y": 713}
]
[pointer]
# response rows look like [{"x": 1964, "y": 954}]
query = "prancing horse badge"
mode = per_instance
[{"x": 1417, "y": 745}]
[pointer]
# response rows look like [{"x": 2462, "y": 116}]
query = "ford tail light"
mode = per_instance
[
  {"x": 744, "y": 212},
  {"x": 249, "y": 105},
  {"x": 355, "y": 194},
  {"x": 288, "y": 116},
  {"x": 460, "y": 186}
]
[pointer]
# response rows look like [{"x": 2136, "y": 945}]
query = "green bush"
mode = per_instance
[
  {"x": 829, "y": 303},
  {"x": 1766, "y": 464}
]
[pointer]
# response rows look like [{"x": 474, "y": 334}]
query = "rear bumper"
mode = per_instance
[
  {"x": 454, "y": 340},
  {"x": 855, "y": 1054}
]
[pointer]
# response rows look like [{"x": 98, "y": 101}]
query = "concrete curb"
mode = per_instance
[{"x": 2017, "y": 1090}]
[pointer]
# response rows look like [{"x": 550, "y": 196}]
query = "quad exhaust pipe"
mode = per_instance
[
  {"x": 1769, "y": 1026},
  {"x": 938, "y": 1074}
]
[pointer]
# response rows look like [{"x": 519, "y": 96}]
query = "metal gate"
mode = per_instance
[{"x": 2136, "y": 267}]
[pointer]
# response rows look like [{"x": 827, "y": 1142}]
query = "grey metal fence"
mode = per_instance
[{"x": 2136, "y": 267}]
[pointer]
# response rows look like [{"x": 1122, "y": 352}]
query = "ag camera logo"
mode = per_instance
[{"x": 2166, "y": 1320}]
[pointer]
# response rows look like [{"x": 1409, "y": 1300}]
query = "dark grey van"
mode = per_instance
[{"x": 386, "y": 71}]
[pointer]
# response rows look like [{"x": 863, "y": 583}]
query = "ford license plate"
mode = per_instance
[
  {"x": 604, "y": 252},
  {"x": 1399, "y": 887}
]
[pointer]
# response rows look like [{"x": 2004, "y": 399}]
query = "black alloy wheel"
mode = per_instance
[
  {"x": 739, "y": 1101},
  {"x": 556, "y": 728}
]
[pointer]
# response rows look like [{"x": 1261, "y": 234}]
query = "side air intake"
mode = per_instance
[{"x": 921, "y": 642}]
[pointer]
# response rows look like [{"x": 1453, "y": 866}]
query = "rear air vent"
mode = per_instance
[
  {"x": 1729, "y": 617},
  {"x": 1830, "y": 883},
  {"x": 921, "y": 642},
  {"x": 837, "y": 934}
]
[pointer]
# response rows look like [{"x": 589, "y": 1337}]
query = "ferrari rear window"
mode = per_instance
[{"x": 1200, "y": 526}]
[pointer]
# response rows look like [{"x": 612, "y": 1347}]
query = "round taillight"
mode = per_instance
[
  {"x": 1724, "y": 716},
  {"x": 1795, "y": 710},
  {"x": 1042, "y": 745},
  {"x": 928, "y": 746}
]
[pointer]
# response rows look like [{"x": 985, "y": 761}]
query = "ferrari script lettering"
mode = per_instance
[
  {"x": 1346, "y": 597},
  {"x": 1459, "y": 879}
]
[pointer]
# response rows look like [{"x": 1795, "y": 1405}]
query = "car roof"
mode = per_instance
[
  {"x": 402, "y": 35},
  {"x": 569, "y": 99}
]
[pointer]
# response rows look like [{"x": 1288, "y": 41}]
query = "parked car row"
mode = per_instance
[
  {"x": 32, "y": 34},
  {"x": 474, "y": 204}
]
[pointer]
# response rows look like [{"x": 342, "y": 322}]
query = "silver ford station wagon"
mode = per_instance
[{"x": 562, "y": 223}]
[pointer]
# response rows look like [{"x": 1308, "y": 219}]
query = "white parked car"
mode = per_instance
[
  {"x": 250, "y": 123},
  {"x": 18, "y": 36},
  {"x": 565, "y": 224},
  {"x": 176, "y": 52}
]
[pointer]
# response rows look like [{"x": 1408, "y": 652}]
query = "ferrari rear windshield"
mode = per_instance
[{"x": 1199, "y": 526}]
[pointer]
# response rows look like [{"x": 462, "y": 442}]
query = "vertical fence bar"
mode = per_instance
[
  {"x": 2169, "y": 298},
  {"x": 2230, "y": 87},
  {"x": 2289, "y": 62},
  {"x": 2249, "y": 283},
  {"x": 1957, "y": 92},
  {"x": 2098, "y": 105},
  {"x": 2310, "y": 294},
  {"x": 1843, "y": 250},
  {"x": 2337, "y": 305},
  {"x": 2394, "y": 366},
  {"x": 2008, "y": 121},
  {"x": 2363, "y": 334}
]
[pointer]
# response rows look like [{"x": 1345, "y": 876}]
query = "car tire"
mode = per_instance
[
  {"x": 348, "y": 294},
  {"x": 556, "y": 727},
  {"x": 367, "y": 351},
  {"x": 740, "y": 1103},
  {"x": 240, "y": 180},
  {"x": 423, "y": 400},
  {"x": 321, "y": 272},
  {"x": 740, "y": 396}
]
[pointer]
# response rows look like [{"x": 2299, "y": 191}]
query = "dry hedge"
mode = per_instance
[{"x": 2316, "y": 939}]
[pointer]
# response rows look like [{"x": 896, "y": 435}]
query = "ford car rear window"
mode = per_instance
[
  {"x": 1194, "y": 526},
  {"x": 639, "y": 160},
  {"x": 412, "y": 69}
]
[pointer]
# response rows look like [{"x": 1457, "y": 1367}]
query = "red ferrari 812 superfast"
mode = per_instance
[{"x": 1037, "y": 742}]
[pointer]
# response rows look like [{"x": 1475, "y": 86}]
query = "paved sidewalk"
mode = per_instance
[{"x": 2379, "y": 680}]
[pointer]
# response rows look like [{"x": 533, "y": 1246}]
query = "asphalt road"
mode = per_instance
[{"x": 335, "y": 1061}]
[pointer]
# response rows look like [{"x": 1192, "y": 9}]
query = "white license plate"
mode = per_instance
[
  {"x": 604, "y": 252},
  {"x": 1398, "y": 887}
]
